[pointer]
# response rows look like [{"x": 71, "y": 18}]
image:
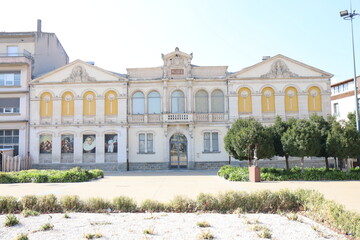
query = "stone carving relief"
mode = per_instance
[
  {"x": 79, "y": 74},
  {"x": 177, "y": 64},
  {"x": 279, "y": 69}
]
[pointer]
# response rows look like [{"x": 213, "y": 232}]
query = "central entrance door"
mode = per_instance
[{"x": 178, "y": 151}]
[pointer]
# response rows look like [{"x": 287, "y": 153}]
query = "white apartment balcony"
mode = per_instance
[{"x": 16, "y": 58}]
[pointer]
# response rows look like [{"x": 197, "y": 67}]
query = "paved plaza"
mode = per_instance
[{"x": 164, "y": 185}]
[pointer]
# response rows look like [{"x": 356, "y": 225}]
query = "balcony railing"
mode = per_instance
[
  {"x": 177, "y": 117},
  {"x": 25, "y": 57},
  {"x": 23, "y": 54}
]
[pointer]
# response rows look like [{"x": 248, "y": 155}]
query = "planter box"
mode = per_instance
[{"x": 254, "y": 174}]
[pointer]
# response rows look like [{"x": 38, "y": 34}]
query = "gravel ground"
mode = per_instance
[{"x": 166, "y": 226}]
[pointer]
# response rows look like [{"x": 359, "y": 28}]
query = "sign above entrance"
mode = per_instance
[{"x": 177, "y": 71}]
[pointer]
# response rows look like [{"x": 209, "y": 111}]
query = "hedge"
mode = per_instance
[
  {"x": 307, "y": 202},
  {"x": 278, "y": 174},
  {"x": 44, "y": 176}
]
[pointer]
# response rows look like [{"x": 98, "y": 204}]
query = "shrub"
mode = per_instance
[
  {"x": 207, "y": 202},
  {"x": 232, "y": 200},
  {"x": 22, "y": 236},
  {"x": 124, "y": 204},
  {"x": 181, "y": 204},
  {"x": 11, "y": 220},
  {"x": 149, "y": 231},
  {"x": 48, "y": 203},
  {"x": 47, "y": 227},
  {"x": 203, "y": 224},
  {"x": 97, "y": 205},
  {"x": 205, "y": 235},
  {"x": 40, "y": 176},
  {"x": 71, "y": 203},
  {"x": 28, "y": 212},
  {"x": 30, "y": 202},
  {"x": 92, "y": 236},
  {"x": 8, "y": 204},
  {"x": 152, "y": 206},
  {"x": 276, "y": 174}
]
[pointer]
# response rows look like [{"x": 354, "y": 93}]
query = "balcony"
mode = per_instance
[
  {"x": 177, "y": 117},
  {"x": 17, "y": 58}
]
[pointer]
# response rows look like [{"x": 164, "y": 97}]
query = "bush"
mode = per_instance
[
  {"x": 8, "y": 204},
  {"x": 71, "y": 203},
  {"x": 97, "y": 205},
  {"x": 124, "y": 204},
  {"x": 11, "y": 220},
  {"x": 276, "y": 174},
  {"x": 22, "y": 236},
  {"x": 207, "y": 202},
  {"x": 152, "y": 206},
  {"x": 41, "y": 176},
  {"x": 30, "y": 202},
  {"x": 181, "y": 204},
  {"x": 28, "y": 212},
  {"x": 48, "y": 203}
]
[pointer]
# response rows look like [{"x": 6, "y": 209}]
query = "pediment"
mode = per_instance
[
  {"x": 78, "y": 72},
  {"x": 177, "y": 64},
  {"x": 280, "y": 67}
]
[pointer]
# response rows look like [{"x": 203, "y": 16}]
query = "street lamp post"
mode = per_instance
[{"x": 349, "y": 16}]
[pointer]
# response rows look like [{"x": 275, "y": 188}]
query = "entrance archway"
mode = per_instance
[{"x": 178, "y": 151}]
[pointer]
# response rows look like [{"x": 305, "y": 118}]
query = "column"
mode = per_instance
[
  {"x": 78, "y": 110},
  {"x": 78, "y": 148},
  {"x": 35, "y": 108},
  {"x": 100, "y": 148},
  {"x": 256, "y": 106},
  {"x": 303, "y": 105},
  {"x": 57, "y": 110},
  {"x": 233, "y": 106},
  {"x": 122, "y": 147},
  {"x": 56, "y": 148},
  {"x": 100, "y": 109},
  {"x": 165, "y": 99},
  {"x": 280, "y": 105},
  {"x": 122, "y": 109}
]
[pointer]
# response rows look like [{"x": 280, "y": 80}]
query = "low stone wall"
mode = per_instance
[
  {"x": 209, "y": 165},
  {"x": 148, "y": 166},
  {"x": 102, "y": 166}
]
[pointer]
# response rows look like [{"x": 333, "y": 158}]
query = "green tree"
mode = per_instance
[
  {"x": 324, "y": 126},
  {"x": 278, "y": 129},
  {"x": 244, "y": 136},
  {"x": 335, "y": 142},
  {"x": 301, "y": 139}
]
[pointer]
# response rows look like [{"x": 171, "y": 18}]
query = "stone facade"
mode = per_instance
[{"x": 173, "y": 116}]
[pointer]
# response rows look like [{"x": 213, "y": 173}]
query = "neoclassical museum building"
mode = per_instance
[{"x": 167, "y": 117}]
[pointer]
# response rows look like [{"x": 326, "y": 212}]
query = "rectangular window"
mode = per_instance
[
  {"x": 10, "y": 139},
  {"x": 346, "y": 86},
  {"x": 9, "y": 78},
  {"x": 146, "y": 143},
  {"x": 211, "y": 142},
  {"x": 9, "y": 105},
  {"x": 215, "y": 142},
  {"x": 12, "y": 51}
]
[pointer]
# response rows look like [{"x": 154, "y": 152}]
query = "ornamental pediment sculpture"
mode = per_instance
[
  {"x": 177, "y": 64},
  {"x": 279, "y": 69},
  {"x": 79, "y": 74}
]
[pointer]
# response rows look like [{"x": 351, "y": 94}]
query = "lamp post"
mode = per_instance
[{"x": 349, "y": 16}]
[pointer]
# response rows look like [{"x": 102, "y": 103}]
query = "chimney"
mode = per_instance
[{"x": 39, "y": 25}]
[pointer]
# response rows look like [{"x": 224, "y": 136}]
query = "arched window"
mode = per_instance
[
  {"x": 67, "y": 102},
  {"x": 89, "y": 104},
  {"x": 268, "y": 100},
  {"x": 202, "y": 102},
  {"x": 291, "y": 100},
  {"x": 111, "y": 103},
  {"x": 314, "y": 99},
  {"x": 177, "y": 102},
  {"x": 46, "y": 105},
  {"x": 138, "y": 103},
  {"x": 217, "y": 101},
  {"x": 154, "y": 105},
  {"x": 244, "y": 101}
]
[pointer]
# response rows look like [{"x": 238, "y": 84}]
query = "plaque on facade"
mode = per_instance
[{"x": 177, "y": 71}]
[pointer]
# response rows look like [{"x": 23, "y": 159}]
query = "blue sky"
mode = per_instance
[{"x": 122, "y": 34}]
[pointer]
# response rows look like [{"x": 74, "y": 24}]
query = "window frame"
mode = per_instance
[
  {"x": 5, "y": 79},
  {"x": 145, "y": 140},
  {"x": 211, "y": 141},
  {"x": 10, "y": 110},
  {"x": 15, "y": 135}
]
